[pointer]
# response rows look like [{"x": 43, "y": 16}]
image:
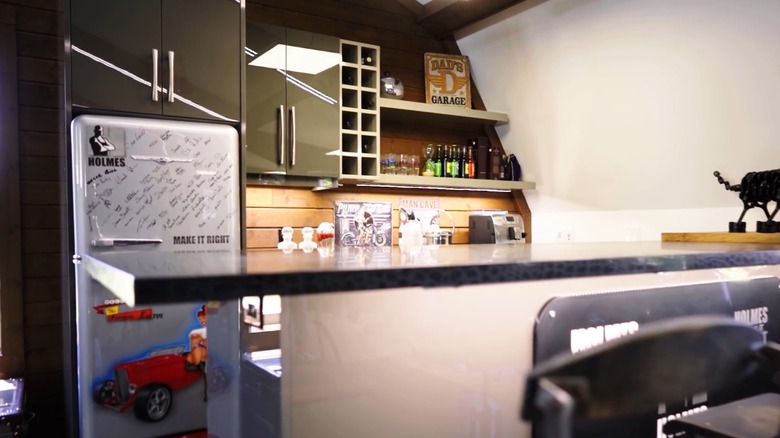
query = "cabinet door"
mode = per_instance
[
  {"x": 204, "y": 37},
  {"x": 111, "y": 60},
  {"x": 314, "y": 98},
  {"x": 265, "y": 99}
]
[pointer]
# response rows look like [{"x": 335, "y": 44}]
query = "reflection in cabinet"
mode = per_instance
[
  {"x": 176, "y": 58},
  {"x": 359, "y": 116},
  {"x": 292, "y": 90}
]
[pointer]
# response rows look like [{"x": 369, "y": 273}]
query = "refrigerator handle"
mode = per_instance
[
  {"x": 107, "y": 241},
  {"x": 170, "y": 76},
  {"x": 282, "y": 134},
  {"x": 292, "y": 135},
  {"x": 155, "y": 58}
]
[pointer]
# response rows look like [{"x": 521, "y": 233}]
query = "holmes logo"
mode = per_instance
[{"x": 107, "y": 150}]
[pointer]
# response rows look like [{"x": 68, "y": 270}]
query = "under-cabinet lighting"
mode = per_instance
[
  {"x": 297, "y": 59},
  {"x": 452, "y": 189}
]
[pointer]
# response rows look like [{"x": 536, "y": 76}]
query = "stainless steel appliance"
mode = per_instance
[{"x": 496, "y": 228}]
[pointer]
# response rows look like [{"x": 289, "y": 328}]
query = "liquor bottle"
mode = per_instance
[
  {"x": 470, "y": 165},
  {"x": 465, "y": 165},
  {"x": 481, "y": 147},
  {"x": 348, "y": 78},
  {"x": 462, "y": 163},
  {"x": 446, "y": 164},
  {"x": 502, "y": 167},
  {"x": 346, "y": 123},
  {"x": 494, "y": 171},
  {"x": 437, "y": 162},
  {"x": 366, "y": 60},
  {"x": 455, "y": 160}
]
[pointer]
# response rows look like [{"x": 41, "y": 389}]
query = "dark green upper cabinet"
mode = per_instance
[
  {"x": 111, "y": 59},
  {"x": 122, "y": 49},
  {"x": 292, "y": 98}
]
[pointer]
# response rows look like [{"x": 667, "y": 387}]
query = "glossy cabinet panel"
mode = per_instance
[
  {"x": 265, "y": 103},
  {"x": 204, "y": 36},
  {"x": 315, "y": 100},
  {"x": 292, "y": 116},
  {"x": 124, "y": 51},
  {"x": 112, "y": 54}
]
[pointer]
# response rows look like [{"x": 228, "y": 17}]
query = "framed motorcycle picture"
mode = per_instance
[
  {"x": 447, "y": 80},
  {"x": 364, "y": 223}
]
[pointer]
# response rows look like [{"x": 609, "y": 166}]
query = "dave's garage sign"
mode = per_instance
[{"x": 447, "y": 80}]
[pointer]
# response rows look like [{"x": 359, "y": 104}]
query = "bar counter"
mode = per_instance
[
  {"x": 145, "y": 277},
  {"x": 432, "y": 341}
]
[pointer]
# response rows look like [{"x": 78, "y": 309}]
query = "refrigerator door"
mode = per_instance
[{"x": 147, "y": 185}]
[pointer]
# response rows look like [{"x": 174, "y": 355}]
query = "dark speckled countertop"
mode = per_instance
[{"x": 144, "y": 277}]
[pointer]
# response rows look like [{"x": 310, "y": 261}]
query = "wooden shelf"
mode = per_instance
[
  {"x": 716, "y": 237},
  {"x": 429, "y": 182},
  {"x": 424, "y": 111}
]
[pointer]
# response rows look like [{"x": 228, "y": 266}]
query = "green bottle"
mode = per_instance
[
  {"x": 437, "y": 170},
  {"x": 430, "y": 166},
  {"x": 446, "y": 163},
  {"x": 455, "y": 162}
]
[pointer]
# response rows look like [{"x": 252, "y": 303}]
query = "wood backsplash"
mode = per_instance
[{"x": 269, "y": 209}]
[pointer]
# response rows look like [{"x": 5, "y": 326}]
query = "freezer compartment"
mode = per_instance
[{"x": 157, "y": 185}]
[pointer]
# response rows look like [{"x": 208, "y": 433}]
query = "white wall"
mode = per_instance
[{"x": 620, "y": 110}]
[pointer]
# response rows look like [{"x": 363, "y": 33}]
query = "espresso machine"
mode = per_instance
[{"x": 496, "y": 228}]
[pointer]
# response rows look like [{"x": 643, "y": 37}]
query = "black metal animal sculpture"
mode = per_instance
[{"x": 757, "y": 189}]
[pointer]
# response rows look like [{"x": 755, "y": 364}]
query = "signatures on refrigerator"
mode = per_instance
[
  {"x": 163, "y": 196},
  {"x": 92, "y": 206},
  {"x": 130, "y": 196}
]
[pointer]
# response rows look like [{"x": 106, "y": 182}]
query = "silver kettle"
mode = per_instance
[{"x": 391, "y": 87}]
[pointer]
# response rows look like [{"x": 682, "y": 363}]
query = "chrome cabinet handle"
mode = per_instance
[
  {"x": 282, "y": 134},
  {"x": 155, "y": 93},
  {"x": 170, "y": 76},
  {"x": 292, "y": 135}
]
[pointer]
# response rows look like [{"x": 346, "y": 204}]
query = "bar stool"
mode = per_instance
[
  {"x": 753, "y": 417},
  {"x": 634, "y": 374}
]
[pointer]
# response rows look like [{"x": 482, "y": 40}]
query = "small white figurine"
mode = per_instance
[
  {"x": 308, "y": 245},
  {"x": 287, "y": 245}
]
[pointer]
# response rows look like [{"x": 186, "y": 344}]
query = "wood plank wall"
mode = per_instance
[
  {"x": 39, "y": 80},
  {"x": 269, "y": 209},
  {"x": 12, "y": 358}
]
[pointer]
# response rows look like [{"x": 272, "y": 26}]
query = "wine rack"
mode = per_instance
[{"x": 359, "y": 111}]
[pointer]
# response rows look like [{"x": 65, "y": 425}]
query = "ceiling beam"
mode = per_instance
[
  {"x": 442, "y": 18},
  {"x": 414, "y": 6},
  {"x": 434, "y": 7}
]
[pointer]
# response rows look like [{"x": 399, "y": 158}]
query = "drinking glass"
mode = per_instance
[
  {"x": 414, "y": 165},
  {"x": 403, "y": 164}
]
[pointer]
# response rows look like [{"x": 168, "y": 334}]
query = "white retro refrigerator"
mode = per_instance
[{"x": 147, "y": 185}]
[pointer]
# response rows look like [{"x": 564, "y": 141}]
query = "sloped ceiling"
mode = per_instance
[{"x": 442, "y": 18}]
